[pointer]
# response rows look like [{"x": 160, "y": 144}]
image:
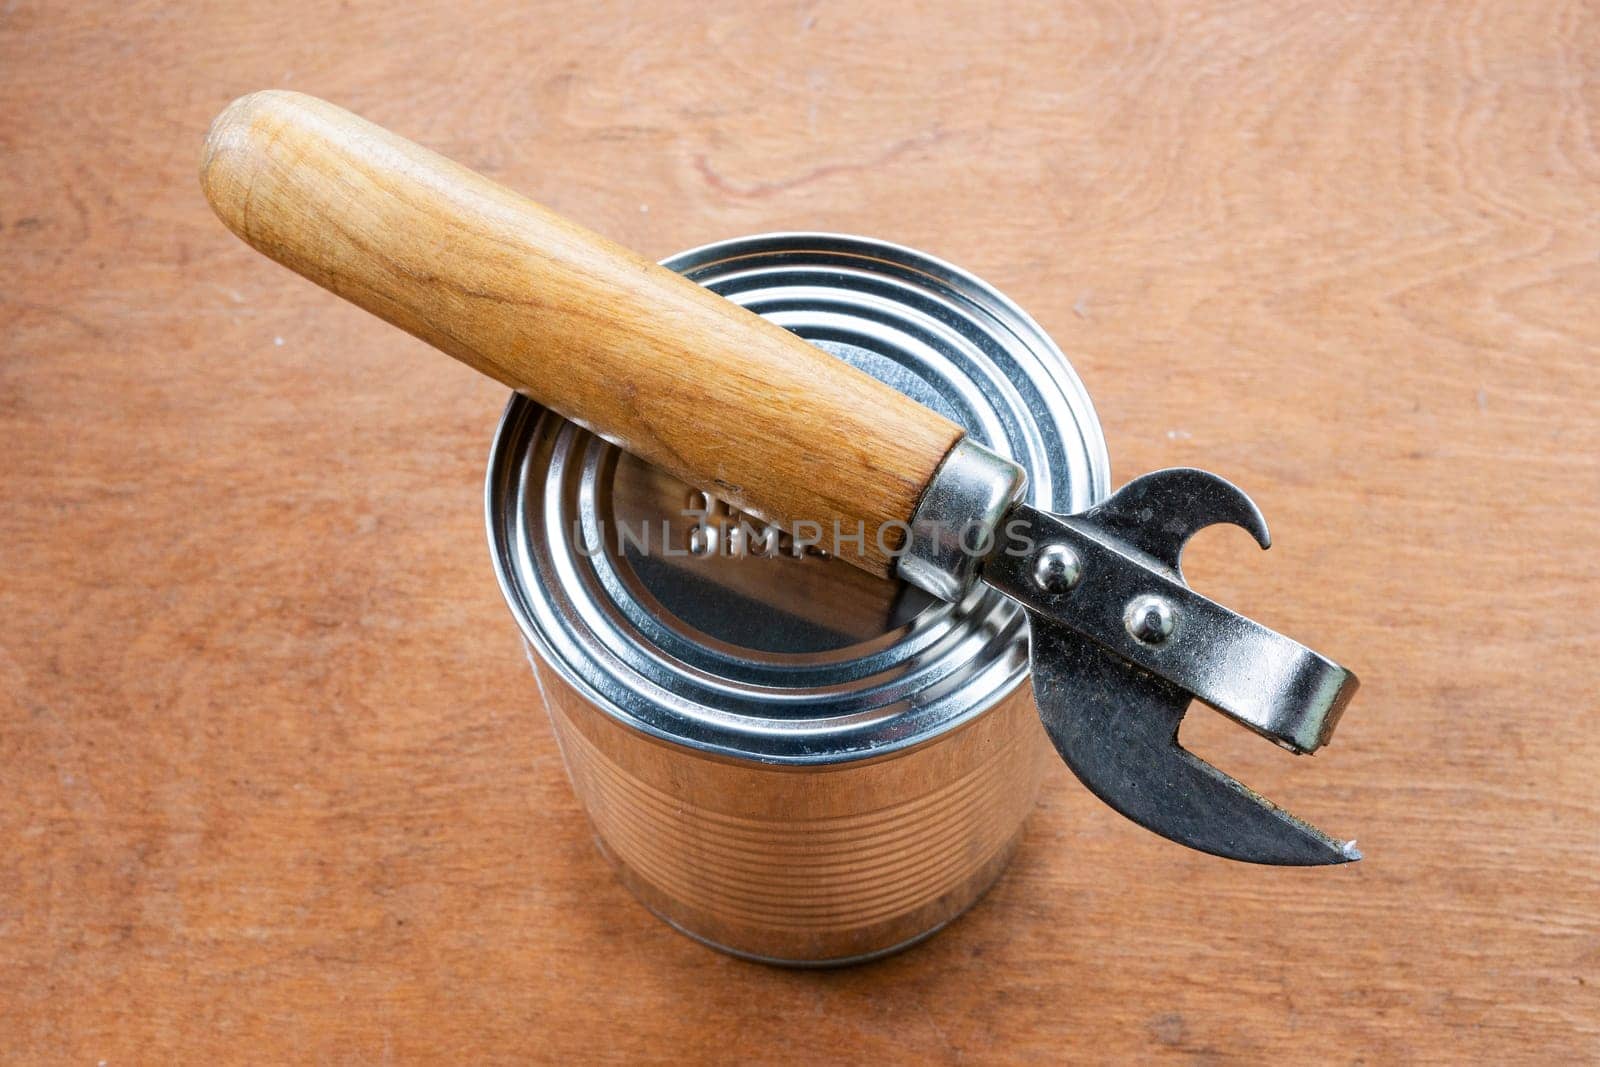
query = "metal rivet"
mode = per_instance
[
  {"x": 1149, "y": 619},
  {"x": 1057, "y": 569}
]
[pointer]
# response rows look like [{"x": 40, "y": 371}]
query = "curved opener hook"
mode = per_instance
[
  {"x": 1159, "y": 512},
  {"x": 1121, "y": 645}
]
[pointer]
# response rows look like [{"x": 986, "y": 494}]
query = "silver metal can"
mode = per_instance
[{"x": 782, "y": 756}]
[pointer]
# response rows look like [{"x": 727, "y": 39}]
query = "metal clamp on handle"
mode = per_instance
[{"x": 957, "y": 520}]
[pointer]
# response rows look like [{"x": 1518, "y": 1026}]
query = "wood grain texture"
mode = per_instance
[
  {"x": 274, "y": 787},
  {"x": 648, "y": 360}
]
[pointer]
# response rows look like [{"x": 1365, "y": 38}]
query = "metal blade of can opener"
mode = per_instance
[{"x": 1121, "y": 646}]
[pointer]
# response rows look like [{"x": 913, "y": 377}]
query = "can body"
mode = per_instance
[
  {"x": 825, "y": 864},
  {"x": 782, "y": 756}
]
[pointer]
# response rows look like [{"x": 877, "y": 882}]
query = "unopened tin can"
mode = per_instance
[{"x": 781, "y": 755}]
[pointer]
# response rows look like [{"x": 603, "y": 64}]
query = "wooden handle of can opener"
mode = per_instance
[{"x": 668, "y": 370}]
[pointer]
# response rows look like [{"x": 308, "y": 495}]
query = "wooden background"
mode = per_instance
[{"x": 273, "y": 782}]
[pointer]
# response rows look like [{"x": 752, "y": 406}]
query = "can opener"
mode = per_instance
[{"x": 738, "y": 406}]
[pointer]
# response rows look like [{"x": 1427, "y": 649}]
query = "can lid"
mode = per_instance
[{"x": 653, "y": 601}]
